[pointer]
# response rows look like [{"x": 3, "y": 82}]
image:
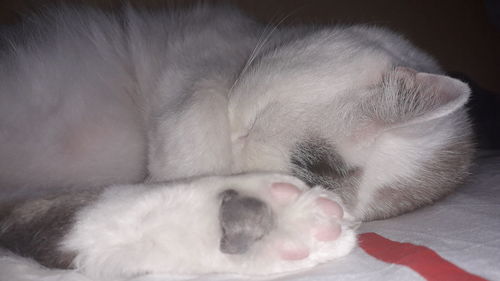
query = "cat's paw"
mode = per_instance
[
  {"x": 249, "y": 224},
  {"x": 280, "y": 224}
]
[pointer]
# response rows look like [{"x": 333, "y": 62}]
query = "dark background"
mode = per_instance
[{"x": 464, "y": 35}]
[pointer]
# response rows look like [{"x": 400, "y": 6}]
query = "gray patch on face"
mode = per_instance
[
  {"x": 316, "y": 162},
  {"x": 34, "y": 228},
  {"x": 244, "y": 220}
]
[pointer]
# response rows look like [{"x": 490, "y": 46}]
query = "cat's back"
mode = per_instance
[
  {"x": 74, "y": 83},
  {"x": 62, "y": 78}
]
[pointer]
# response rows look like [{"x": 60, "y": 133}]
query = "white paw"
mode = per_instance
[
  {"x": 308, "y": 226},
  {"x": 249, "y": 224}
]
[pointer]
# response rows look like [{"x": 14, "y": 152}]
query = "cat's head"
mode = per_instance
[{"x": 354, "y": 118}]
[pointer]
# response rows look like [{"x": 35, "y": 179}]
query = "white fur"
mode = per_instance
[
  {"x": 194, "y": 118},
  {"x": 198, "y": 93},
  {"x": 174, "y": 229}
]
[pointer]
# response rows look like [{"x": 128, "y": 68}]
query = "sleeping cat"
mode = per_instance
[{"x": 200, "y": 141}]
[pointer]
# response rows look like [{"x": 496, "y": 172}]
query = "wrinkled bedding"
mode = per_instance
[{"x": 455, "y": 239}]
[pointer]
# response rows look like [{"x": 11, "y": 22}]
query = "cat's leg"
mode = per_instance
[
  {"x": 254, "y": 224},
  {"x": 34, "y": 227}
]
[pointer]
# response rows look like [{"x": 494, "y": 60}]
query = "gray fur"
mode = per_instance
[
  {"x": 34, "y": 228},
  {"x": 316, "y": 162},
  {"x": 244, "y": 220}
]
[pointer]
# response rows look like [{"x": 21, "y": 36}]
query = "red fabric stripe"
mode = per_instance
[{"x": 423, "y": 260}]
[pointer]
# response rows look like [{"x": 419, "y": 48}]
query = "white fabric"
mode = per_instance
[{"x": 464, "y": 229}]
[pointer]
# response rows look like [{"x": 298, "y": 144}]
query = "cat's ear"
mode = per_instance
[{"x": 408, "y": 97}]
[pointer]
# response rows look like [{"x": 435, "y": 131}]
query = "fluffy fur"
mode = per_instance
[
  {"x": 173, "y": 230},
  {"x": 92, "y": 99}
]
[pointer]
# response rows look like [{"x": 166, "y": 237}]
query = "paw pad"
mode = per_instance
[
  {"x": 281, "y": 223},
  {"x": 284, "y": 192},
  {"x": 289, "y": 250},
  {"x": 322, "y": 228},
  {"x": 330, "y": 208},
  {"x": 327, "y": 232}
]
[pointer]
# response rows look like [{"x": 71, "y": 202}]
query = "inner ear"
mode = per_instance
[
  {"x": 408, "y": 97},
  {"x": 446, "y": 94}
]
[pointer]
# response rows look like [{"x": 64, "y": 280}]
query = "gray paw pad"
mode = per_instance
[{"x": 244, "y": 220}]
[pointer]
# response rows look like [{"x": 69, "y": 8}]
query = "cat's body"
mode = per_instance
[{"x": 90, "y": 99}]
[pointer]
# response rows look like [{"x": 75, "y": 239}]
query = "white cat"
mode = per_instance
[{"x": 210, "y": 110}]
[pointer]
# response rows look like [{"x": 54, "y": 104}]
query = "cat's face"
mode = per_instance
[{"x": 356, "y": 122}]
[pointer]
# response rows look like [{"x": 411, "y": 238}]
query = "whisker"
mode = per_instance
[{"x": 263, "y": 39}]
